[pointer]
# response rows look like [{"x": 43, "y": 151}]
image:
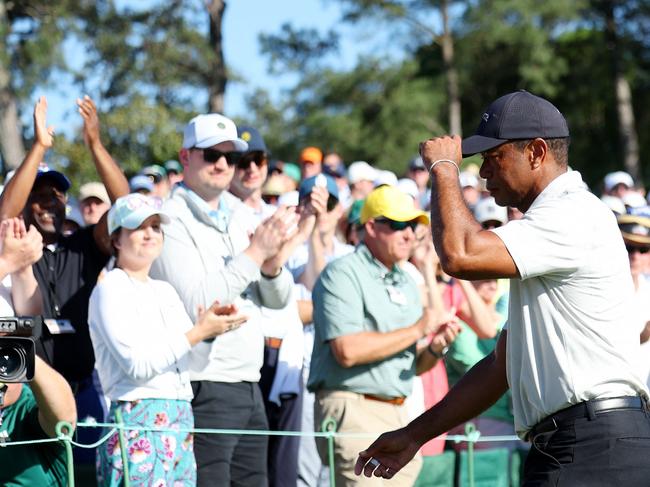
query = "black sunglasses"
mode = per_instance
[
  {"x": 245, "y": 159},
  {"x": 398, "y": 226},
  {"x": 487, "y": 225},
  {"x": 641, "y": 250},
  {"x": 213, "y": 155}
]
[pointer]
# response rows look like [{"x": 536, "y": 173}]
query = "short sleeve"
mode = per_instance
[
  {"x": 338, "y": 306},
  {"x": 544, "y": 242}
]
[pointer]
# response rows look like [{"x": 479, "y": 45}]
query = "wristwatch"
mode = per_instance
[{"x": 437, "y": 355}]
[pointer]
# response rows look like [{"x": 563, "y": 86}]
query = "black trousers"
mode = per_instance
[
  {"x": 229, "y": 460},
  {"x": 611, "y": 449},
  {"x": 283, "y": 450}
]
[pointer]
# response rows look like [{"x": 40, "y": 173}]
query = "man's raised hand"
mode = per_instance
[
  {"x": 88, "y": 111},
  {"x": 43, "y": 135}
]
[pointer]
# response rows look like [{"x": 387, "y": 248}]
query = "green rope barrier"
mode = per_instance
[
  {"x": 329, "y": 426},
  {"x": 328, "y": 431},
  {"x": 64, "y": 434},
  {"x": 123, "y": 448}
]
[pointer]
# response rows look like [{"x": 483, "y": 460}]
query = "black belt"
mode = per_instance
[{"x": 585, "y": 410}]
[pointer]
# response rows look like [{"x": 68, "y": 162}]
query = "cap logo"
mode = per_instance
[
  {"x": 485, "y": 116},
  {"x": 221, "y": 125},
  {"x": 246, "y": 136}
]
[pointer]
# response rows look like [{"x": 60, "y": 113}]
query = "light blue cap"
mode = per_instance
[
  {"x": 131, "y": 210},
  {"x": 140, "y": 181}
]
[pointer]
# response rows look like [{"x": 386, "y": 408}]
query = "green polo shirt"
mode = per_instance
[
  {"x": 355, "y": 294},
  {"x": 29, "y": 465}
]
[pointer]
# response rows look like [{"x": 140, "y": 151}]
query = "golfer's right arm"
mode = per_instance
[{"x": 476, "y": 391}]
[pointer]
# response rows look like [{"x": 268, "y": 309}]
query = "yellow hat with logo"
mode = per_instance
[{"x": 390, "y": 202}]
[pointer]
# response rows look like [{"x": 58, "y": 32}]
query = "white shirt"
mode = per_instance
[
  {"x": 138, "y": 334},
  {"x": 6, "y": 303},
  {"x": 570, "y": 334}
]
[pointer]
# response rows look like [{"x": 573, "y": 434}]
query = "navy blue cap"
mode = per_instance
[
  {"x": 338, "y": 171},
  {"x": 516, "y": 116},
  {"x": 57, "y": 177},
  {"x": 253, "y": 137},
  {"x": 319, "y": 180}
]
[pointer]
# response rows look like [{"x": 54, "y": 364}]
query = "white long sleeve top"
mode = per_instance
[{"x": 138, "y": 334}]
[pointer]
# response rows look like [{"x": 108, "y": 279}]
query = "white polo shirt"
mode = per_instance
[{"x": 570, "y": 333}]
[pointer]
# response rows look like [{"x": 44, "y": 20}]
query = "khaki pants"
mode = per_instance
[{"x": 355, "y": 414}]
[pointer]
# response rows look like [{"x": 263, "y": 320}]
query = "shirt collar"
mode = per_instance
[
  {"x": 378, "y": 269},
  {"x": 220, "y": 216},
  {"x": 569, "y": 182}
]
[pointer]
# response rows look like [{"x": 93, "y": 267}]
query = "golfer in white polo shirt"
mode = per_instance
[{"x": 568, "y": 349}]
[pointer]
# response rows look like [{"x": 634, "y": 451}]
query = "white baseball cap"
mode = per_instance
[
  {"x": 361, "y": 171},
  {"x": 204, "y": 131},
  {"x": 131, "y": 210},
  {"x": 487, "y": 209},
  {"x": 633, "y": 199},
  {"x": 618, "y": 177},
  {"x": 409, "y": 187},
  {"x": 385, "y": 177}
]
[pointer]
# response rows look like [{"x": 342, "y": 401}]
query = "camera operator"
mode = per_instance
[{"x": 31, "y": 412}]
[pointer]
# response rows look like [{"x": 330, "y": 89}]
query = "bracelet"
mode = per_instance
[
  {"x": 444, "y": 160},
  {"x": 269, "y": 277},
  {"x": 437, "y": 355}
]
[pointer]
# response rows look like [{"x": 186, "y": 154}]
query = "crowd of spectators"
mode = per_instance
[{"x": 231, "y": 290}]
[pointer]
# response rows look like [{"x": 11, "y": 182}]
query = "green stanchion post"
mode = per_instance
[
  {"x": 64, "y": 433},
  {"x": 329, "y": 426},
  {"x": 123, "y": 448},
  {"x": 471, "y": 433}
]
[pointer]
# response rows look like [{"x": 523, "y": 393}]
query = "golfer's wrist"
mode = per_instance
[{"x": 439, "y": 163}]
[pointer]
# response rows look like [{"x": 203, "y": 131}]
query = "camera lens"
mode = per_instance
[{"x": 12, "y": 362}]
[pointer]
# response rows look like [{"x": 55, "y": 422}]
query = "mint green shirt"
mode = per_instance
[
  {"x": 355, "y": 294},
  {"x": 467, "y": 350}
]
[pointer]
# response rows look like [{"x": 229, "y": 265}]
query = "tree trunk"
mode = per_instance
[
  {"x": 451, "y": 75},
  {"x": 218, "y": 76},
  {"x": 624, "y": 108},
  {"x": 11, "y": 140}
]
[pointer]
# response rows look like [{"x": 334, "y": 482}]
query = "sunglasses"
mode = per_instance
[
  {"x": 213, "y": 155},
  {"x": 245, "y": 159},
  {"x": 487, "y": 225},
  {"x": 398, "y": 226},
  {"x": 642, "y": 250}
]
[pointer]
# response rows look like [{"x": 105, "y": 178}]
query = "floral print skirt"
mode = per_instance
[{"x": 155, "y": 458}]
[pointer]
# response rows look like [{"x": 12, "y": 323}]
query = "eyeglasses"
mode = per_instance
[
  {"x": 245, "y": 159},
  {"x": 642, "y": 250},
  {"x": 213, "y": 155},
  {"x": 398, "y": 226}
]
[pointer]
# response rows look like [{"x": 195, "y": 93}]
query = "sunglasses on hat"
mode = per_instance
[{"x": 398, "y": 226}]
